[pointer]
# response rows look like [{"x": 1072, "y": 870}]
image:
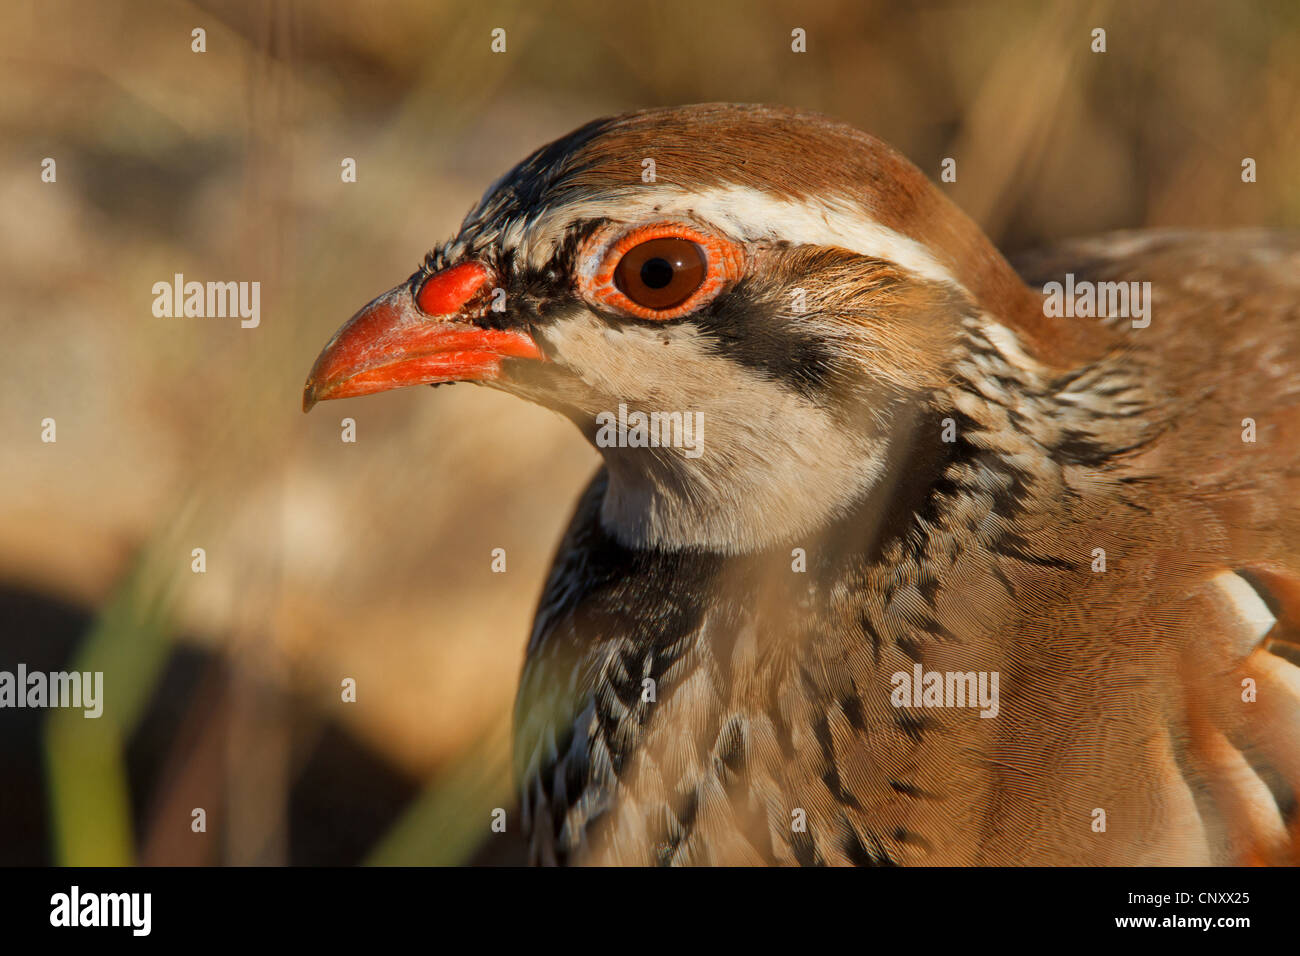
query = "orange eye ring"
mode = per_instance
[{"x": 599, "y": 277}]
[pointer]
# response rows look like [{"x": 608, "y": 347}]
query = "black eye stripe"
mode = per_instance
[{"x": 745, "y": 326}]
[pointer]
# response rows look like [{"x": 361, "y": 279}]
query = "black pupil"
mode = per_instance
[{"x": 656, "y": 273}]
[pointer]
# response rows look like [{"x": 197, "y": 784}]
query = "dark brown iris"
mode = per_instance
[{"x": 661, "y": 273}]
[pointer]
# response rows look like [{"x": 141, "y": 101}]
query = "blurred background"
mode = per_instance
[{"x": 372, "y": 560}]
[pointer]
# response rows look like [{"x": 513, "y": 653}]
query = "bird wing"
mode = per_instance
[{"x": 1167, "y": 682}]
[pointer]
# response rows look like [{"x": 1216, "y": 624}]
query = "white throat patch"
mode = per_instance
[{"x": 772, "y": 465}]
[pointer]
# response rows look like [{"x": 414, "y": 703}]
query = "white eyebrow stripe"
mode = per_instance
[
  {"x": 751, "y": 214},
  {"x": 1249, "y": 606}
]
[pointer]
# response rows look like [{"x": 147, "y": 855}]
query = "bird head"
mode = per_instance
[{"x": 790, "y": 289}]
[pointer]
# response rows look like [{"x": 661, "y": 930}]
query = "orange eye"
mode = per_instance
[{"x": 661, "y": 273}]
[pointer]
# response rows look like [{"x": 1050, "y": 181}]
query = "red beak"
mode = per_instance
[{"x": 415, "y": 338}]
